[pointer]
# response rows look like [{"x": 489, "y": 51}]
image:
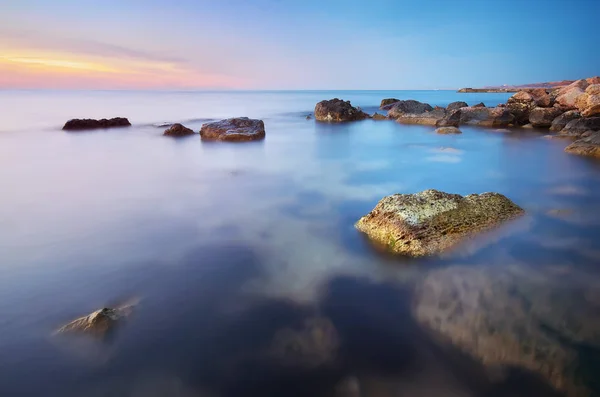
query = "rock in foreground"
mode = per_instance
[
  {"x": 92, "y": 124},
  {"x": 588, "y": 145},
  {"x": 234, "y": 130},
  {"x": 431, "y": 221},
  {"x": 178, "y": 130},
  {"x": 98, "y": 323},
  {"x": 338, "y": 110}
]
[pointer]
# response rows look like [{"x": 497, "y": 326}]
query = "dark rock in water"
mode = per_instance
[
  {"x": 92, "y": 124},
  {"x": 561, "y": 121},
  {"x": 337, "y": 110},
  {"x": 588, "y": 145},
  {"x": 543, "y": 117},
  {"x": 500, "y": 317},
  {"x": 578, "y": 126},
  {"x": 178, "y": 130},
  {"x": 432, "y": 117},
  {"x": 308, "y": 117},
  {"x": 314, "y": 345},
  {"x": 386, "y": 103},
  {"x": 448, "y": 130},
  {"x": 451, "y": 119},
  {"x": 456, "y": 105},
  {"x": 235, "y": 130},
  {"x": 486, "y": 117},
  {"x": 479, "y": 105},
  {"x": 408, "y": 107},
  {"x": 431, "y": 221},
  {"x": 378, "y": 116},
  {"x": 98, "y": 323}
]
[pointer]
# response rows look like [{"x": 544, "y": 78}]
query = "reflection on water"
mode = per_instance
[{"x": 253, "y": 280}]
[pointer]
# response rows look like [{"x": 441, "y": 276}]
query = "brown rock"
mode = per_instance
[
  {"x": 561, "y": 121},
  {"x": 593, "y": 89},
  {"x": 448, "y": 130},
  {"x": 578, "y": 126},
  {"x": 408, "y": 107},
  {"x": 336, "y": 110},
  {"x": 586, "y": 146},
  {"x": 429, "y": 222},
  {"x": 427, "y": 118},
  {"x": 486, "y": 117},
  {"x": 569, "y": 95},
  {"x": 98, "y": 323},
  {"x": 479, "y": 105},
  {"x": 543, "y": 117},
  {"x": 593, "y": 80},
  {"x": 387, "y": 103},
  {"x": 178, "y": 130},
  {"x": 593, "y": 106},
  {"x": 235, "y": 129},
  {"x": 456, "y": 105},
  {"x": 378, "y": 116},
  {"x": 451, "y": 119},
  {"x": 520, "y": 105},
  {"x": 92, "y": 124}
]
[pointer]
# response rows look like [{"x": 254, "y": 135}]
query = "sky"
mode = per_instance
[{"x": 306, "y": 44}]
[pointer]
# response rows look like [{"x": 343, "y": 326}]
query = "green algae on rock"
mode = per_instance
[{"x": 429, "y": 222}]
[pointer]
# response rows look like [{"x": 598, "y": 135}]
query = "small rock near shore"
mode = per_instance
[
  {"x": 337, "y": 110},
  {"x": 178, "y": 130},
  {"x": 429, "y": 222},
  {"x": 239, "y": 129},
  {"x": 448, "y": 130},
  {"x": 93, "y": 124}
]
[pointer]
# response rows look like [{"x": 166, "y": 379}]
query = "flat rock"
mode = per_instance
[
  {"x": 578, "y": 126},
  {"x": 448, "y": 130},
  {"x": 426, "y": 118},
  {"x": 486, "y": 117},
  {"x": 93, "y": 124},
  {"x": 456, "y": 105},
  {"x": 586, "y": 146},
  {"x": 337, "y": 110},
  {"x": 561, "y": 121},
  {"x": 429, "y": 222},
  {"x": 178, "y": 130},
  {"x": 409, "y": 106},
  {"x": 235, "y": 130}
]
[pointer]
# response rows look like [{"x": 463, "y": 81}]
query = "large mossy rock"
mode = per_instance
[
  {"x": 336, "y": 110},
  {"x": 235, "y": 130},
  {"x": 431, "y": 221},
  {"x": 513, "y": 317}
]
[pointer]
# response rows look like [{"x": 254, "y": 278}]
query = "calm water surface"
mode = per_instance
[{"x": 223, "y": 245}]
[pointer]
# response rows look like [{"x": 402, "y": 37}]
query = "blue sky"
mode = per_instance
[{"x": 279, "y": 44}]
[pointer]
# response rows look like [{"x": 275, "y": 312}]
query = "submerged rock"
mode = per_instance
[
  {"x": 408, "y": 107},
  {"x": 378, "y": 116},
  {"x": 235, "y": 130},
  {"x": 314, "y": 344},
  {"x": 98, "y": 323},
  {"x": 500, "y": 317},
  {"x": 178, "y": 130},
  {"x": 543, "y": 117},
  {"x": 308, "y": 117},
  {"x": 448, "y": 130},
  {"x": 456, "y": 105},
  {"x": 431, "y": 221},
  {"x": 486, "y": 117},
  {"x": 338, "y": 110},
  {"x": 561, "y": 121},
  {"x": 588, "y": 145},
  {"x": 93, "y": 124},
  {"x": 387, "y": 103}
]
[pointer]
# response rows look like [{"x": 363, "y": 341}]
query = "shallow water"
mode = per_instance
[{"x": 225, "y": 244}]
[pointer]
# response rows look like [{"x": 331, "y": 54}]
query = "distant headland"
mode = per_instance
[{"x": 517, "y": 88}]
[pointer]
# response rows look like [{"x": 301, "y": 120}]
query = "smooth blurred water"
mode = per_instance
[{"x": 226, "y": 243}]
